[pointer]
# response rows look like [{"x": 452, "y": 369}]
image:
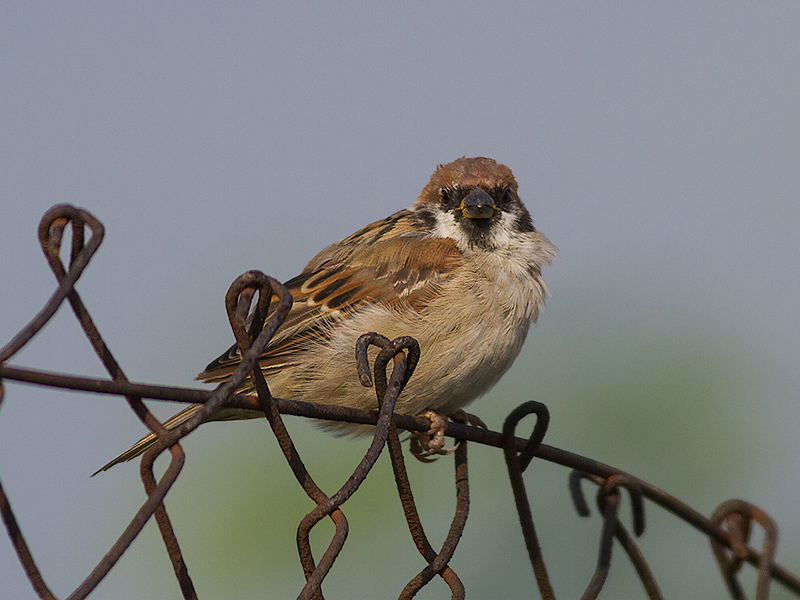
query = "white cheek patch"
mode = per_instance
[
  {"x": 446, "y": 227},
  {"x": 503, "y": 236}
]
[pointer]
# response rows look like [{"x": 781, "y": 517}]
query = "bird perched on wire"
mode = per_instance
[{"x": 460, "y": 271}]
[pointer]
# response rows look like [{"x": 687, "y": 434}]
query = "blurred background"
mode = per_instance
[{"x": 658, "y": 146}]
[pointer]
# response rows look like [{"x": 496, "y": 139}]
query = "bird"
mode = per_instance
[{"x": 460, "y": 270}]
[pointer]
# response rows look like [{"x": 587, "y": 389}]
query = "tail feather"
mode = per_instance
[
  {"x": 143, "y": 444},
  {"x": 177, "y": 420}
]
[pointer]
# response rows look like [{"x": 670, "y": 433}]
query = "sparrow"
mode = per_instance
[{"x": 460, "y": 271}]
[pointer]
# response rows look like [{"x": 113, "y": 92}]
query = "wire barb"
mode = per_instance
[
  {"x": 517, "y": 462},
  {"x": 738, "y": 517},
  {"x": 608, "y": 503}
]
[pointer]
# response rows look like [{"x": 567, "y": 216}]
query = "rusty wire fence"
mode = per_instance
[{"x": 727, "y": 529}]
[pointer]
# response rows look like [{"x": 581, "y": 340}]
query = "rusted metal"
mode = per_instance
[
  {"x": 738, "y": 516},
  {"x": 163, "y": 522},
  {"x": 60, "y": 213},
  {"x": 21, "y": 546},
  {"x": 728, "y": 528},
  {"x": 608, "y": 503},
  {"x": 517, "y": 460},
  {"x": 437, "y": 562},
  {"x": 131, "y": 531}
]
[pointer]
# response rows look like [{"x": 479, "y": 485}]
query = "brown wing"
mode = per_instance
[{"x": 389, "y": 262}]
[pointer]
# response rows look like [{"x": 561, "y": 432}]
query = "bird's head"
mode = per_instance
[{"x": 474, "y": 201}]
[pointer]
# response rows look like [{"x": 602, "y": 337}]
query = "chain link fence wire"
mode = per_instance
[{"x": 728, "y": 529}]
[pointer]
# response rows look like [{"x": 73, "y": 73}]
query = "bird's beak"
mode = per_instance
[{"x": 477, "y": 205}]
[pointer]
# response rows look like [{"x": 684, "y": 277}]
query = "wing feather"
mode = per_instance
[{"x": 389, "y": 262}]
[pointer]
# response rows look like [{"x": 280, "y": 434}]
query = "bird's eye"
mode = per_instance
[
  {"x": 506, "y": 195},
  {"x": 447, "y": 196}
]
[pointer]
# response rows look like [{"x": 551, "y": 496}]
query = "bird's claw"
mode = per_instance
[
  {"x": 429, "y": 443},
  {"x": 470, "y": 419}
]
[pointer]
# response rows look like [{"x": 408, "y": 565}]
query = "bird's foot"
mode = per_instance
[{"x": 425, "y": 444}]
